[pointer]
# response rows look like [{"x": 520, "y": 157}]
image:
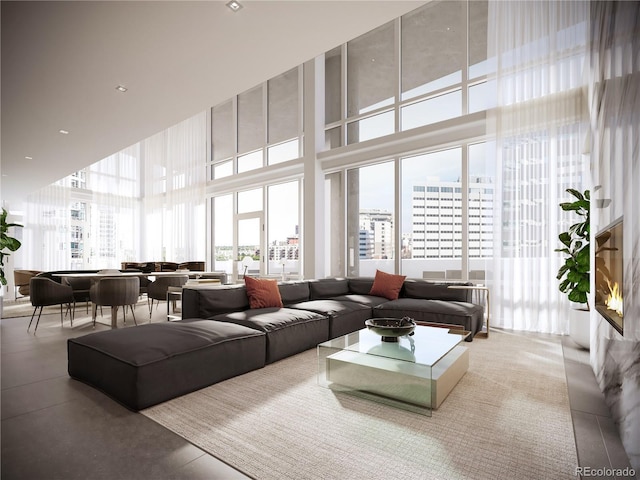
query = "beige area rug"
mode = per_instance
[
  {"x": 508, "y": 418},
  {"x": 22, "y": 308}
]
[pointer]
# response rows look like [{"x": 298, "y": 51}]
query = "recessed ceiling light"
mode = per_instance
[
  {"x": 234, "y": 5},
  {"x": 29, "y": 158},
  {"x": 121, "y": 88},
  {"x": 64, "y": 132}
]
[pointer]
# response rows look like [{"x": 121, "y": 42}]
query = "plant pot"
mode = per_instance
[{"x": 580, "y": 327}]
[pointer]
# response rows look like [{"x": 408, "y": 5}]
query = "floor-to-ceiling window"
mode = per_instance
[
  {"x": 371, "y": 219},
  {"x": 256, "y": 231},
  {"x": 432, "y": 215},
  {"x": 254, "y": 196},
  {"x": 419, "y": 77},
  {"x": 145, "y": 202}
]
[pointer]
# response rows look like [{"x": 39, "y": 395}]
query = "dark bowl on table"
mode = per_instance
[{"x": 391, "y": 328}]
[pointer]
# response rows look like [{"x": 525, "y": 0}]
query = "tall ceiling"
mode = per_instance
[{"x": 62, "y": 61}]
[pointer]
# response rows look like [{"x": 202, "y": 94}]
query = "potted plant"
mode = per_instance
[
  {"x": 6, "y": 242},
  {"x": 574, "y": 274}
]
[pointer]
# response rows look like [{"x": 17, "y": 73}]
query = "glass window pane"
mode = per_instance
[
  {"x": 372, "y": 127},
  {"x": 283, "y": 230},
  {"x": 251, "y": 161},
  {"x": 223, "y": 233},
  {"x": 222, "y": 131},
  {"x": 250, "y": 200},
  {"x": 332, "y": 85},
  {"x": 478, "y": 14},
  {"x": 223, "y": 169},
  {"x": 482, "y": 96},
  {"x": 283, "y": 106},
  {"x": 370, "y": 219},
  {"x": 370, "y": 71},
  {"x": 431, "y": 111},
  {"x": 283, "y": 152},
  {"x": 249, "y": 246},
  {"x": 433, "y": 52},
  {"x": 481, "y": 191},
  {"x": 250, "y": 120},
  {"x": 332, "y": 138},
  {"x": 432, "y": 215}
]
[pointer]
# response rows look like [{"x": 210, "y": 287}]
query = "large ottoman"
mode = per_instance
[{"x": 142, "y": 366}]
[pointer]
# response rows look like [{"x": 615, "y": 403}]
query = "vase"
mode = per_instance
[{"x": 580, "y": 327}]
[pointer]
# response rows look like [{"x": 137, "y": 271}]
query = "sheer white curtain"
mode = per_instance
[
  {"x": 174, "y": 192},
  {"x": 113, "y": 215},
  {"x": 45, "y": 237},
  {"x": 540, "y": 124}
]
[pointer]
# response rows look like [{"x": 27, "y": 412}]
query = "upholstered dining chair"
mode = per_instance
[
  {"x": 21, "y": 280},
  {"x": 80, "y": 286},
  {"x": 115, "y": 292},
  {"x": 44, "y": 292},
  {"x": 157, "y": 290}
]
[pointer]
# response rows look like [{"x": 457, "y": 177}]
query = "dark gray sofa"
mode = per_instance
[
  {"x": 220, "y": 336},
  {"x": 344, "y": 302}
]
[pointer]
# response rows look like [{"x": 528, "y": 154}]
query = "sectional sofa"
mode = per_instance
[{"x": 224, "y": 333}]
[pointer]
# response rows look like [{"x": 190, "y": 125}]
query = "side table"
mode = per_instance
[{"x": 174, "y": 294}]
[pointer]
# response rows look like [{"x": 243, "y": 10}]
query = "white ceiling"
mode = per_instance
[{"x": 61, "y": 62}]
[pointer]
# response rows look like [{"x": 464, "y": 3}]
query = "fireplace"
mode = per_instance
[{"x": 609, "y": 266}]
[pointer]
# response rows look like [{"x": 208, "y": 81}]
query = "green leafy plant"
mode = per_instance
[
  {"x": 574, "y": 273},
  {"x": 6, "y": 242}
]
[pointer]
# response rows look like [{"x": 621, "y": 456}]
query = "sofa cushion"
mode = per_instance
[
  {"x": 216, "y": 301},
  {"x": 292, "y": 292},
  {"x": 360, "y": 285},
  {"x": 263, "y": 292},
  {"x": 435, "y": 291},
  {"x": 387, "y": 285},
  {"x": 152, "y": 363},
  {"x": 289, "y": 331},
  {"x": 368, "y": 300},
  {"x": 328, "y": 287},
  {"x": 344, "y": 316},
  {"x": 470, "y": 316}
]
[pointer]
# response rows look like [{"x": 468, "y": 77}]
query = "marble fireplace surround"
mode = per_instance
[{"x": 614, "y": 98}]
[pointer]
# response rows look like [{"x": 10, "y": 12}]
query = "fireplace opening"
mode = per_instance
[{"x": 609, "y": 265}]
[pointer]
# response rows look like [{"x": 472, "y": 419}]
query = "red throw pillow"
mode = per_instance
[
  {"x": 263, "y": 292},
  {"x": 387, "y": 285}
]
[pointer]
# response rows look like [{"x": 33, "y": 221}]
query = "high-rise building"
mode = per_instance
[
  {"x": 376, "y": 234},
  {"x": 437, "y": 219}
]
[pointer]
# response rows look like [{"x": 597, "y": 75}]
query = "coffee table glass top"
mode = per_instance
[{"x": 426, "y": 346}]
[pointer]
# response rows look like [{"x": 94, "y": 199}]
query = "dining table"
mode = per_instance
[{"x": 94, "y": 276}]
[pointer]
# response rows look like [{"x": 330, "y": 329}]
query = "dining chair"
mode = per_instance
[
  {"x": 115, "y": 292},
  {"x": 157, "y": 290},
  {"x": 80, "y": 286},
  {"x": 21, "y": 280},
  {"x": 44, "y": 292}
]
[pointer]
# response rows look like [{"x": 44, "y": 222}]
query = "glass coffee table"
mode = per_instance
[{"x": 416, "y": 373}]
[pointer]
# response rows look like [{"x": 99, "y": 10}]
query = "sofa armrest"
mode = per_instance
[{"x": 482, "y": 297}]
